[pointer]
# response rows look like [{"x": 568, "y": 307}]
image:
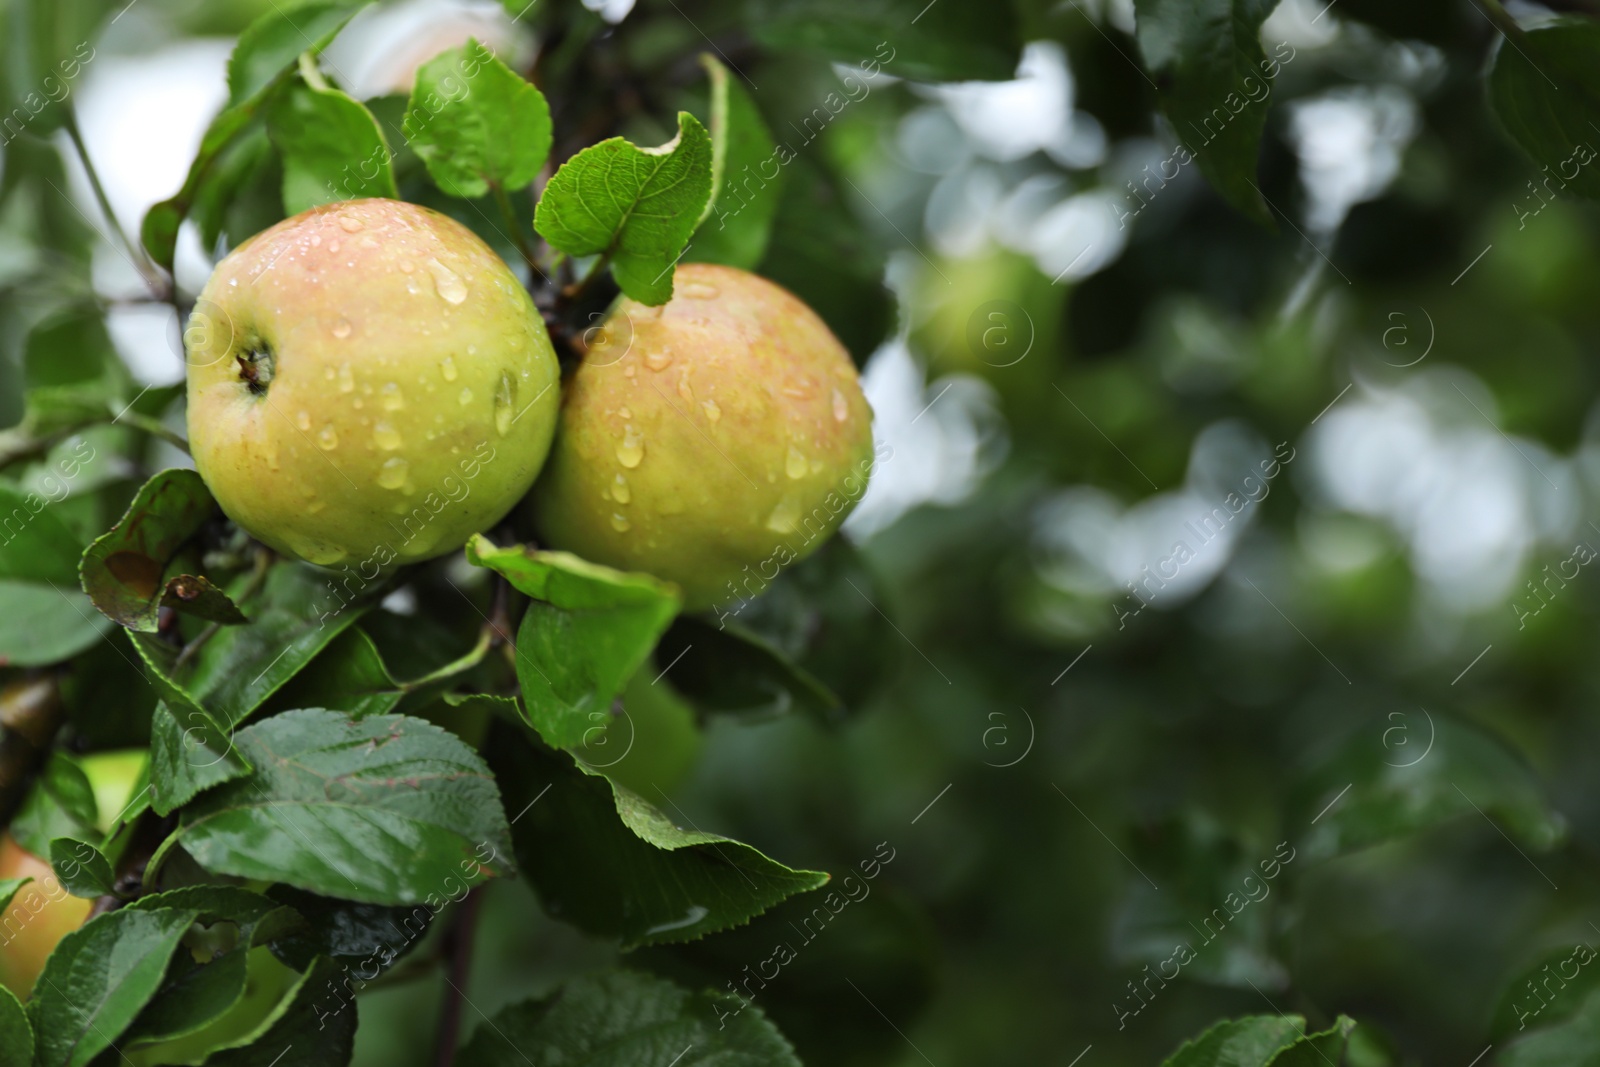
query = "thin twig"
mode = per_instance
[{"x": 461, "y": 938}]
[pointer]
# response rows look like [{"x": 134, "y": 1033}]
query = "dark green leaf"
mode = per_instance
[
  {"x": 82, "y": 869},
  {"x": 59, "y": 804},
  {"x": 747, "y": 178},
  {"x": 123, "y": 569},
  {"x": 8, "y": 889},
  {"x": 295, "y": 616},
  {"x": 46, "y": 623},
  {"x": 348, "y": 675},
  {"x": 313, "y": 1026},
  {"x": 638, "y": 206},
  {"x": 194, "y": 594},
  {"x": 586, "y": 632},
  {"x": 909, "y": 38},
  {"x": 605, "y": 860},
  {"x": 198, "y": 991},
  {"x": 1211, "y": 75},
  {"x": 73, "y": 374},
  {"x": 383, "y": 809},
  {"x": 730, "y": 669},
  {"x": 1256, "y": 1041},
  {"x": 1324, "y": 1046},
  {"x": 1545, "y": 88},
  {"x": 1549, "y": 990},
  {"x": 34, "y": 545},
  {"x": 332, "y": 148},
  {"x": 16, "y": 1035},
  {"x": 366, "y": 936},
  {"x": 98, "y": 979},
  {"x": 475, "y": 122},
  {"x": 189, "y": 753},
  {"x": 1572, "y": 1043},
  {"x": 1453, "y": 771},
  {"x": 260, "y": 66},
  {"x": 624, "y": 1017}
]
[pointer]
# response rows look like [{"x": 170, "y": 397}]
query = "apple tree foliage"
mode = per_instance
[{"x": 340, "y": 763}]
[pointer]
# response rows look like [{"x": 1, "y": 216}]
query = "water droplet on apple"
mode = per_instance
[
  {"x": 466, "y": 396},
  {"x": 630, "y": 453},
  {"x": 447, "y": 367},
  {"x": 386, "y": 437},
  {"x": 315, "y": 506},
  {"x": 713, "y": 412},
  {"x": 341, "y": 329},
  {"x": 658, "y": 360},
  {"x": 347, "y": 379},
  {"x": 233, "y": 283},
  {"x": 406, "y": 266},
  {"x": 698, "y": 291},
  {"x": 472, "y": 350},
  {"x": 625, "y": 413},
  {"x": 316, "y": 239},
  {"x": 841, "y": 407},
  {"x": 785, "y": 517},
  {"x": 795, "y": 466},
  {"x": 333, "y": 246},
  {"x": 303, "y": 420},
  {"x": 683, "y": 386},
  {"x": 327, "y": 372},
  {"x": 448, "y": 282},
  {"x": 620, "y": 523},
  {"x": 392, "y": 475},
  {"x": 393, "y": 398},
  {"x": 348, "y": 224},
  {"x": 505, "y": 403},
  {"x": 620, "y": 491},
  {"x": 328, "y": 438}
]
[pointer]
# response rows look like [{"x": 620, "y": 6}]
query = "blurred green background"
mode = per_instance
[{"x": 1203, "y": 544}]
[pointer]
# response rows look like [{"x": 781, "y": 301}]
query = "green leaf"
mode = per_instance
[
  {"x": 348, "y": 675},
  {"x": 1572, "y": 1043},
  {"x": 332, "y": 148},
  {"x": 1447, "y": 770},
  {"x": 638, "y": 206},
  {"x": 1260, "y": 1040},
  {"x": 34, "y": 545},
  {"x": 747, "y": 178},
  {"x": 196, "y": 993},
  {"x": 1208, "y": 66},
  {"x": 124, "y": 570},
  {"x": 1545, "y": 89},
  {"x": 367, "y": 937},
  {"x": 72, "y": 371},
  {"x": 1551, "y": 989},
  {"x": 189, "y": 753},
  {"x": 306, "y": 1025},
  {"x": 46, "y": 623},
  {"x": 59, "y": 804},
  {"x": 624, "y": 1017},
  {"x": 733, "y": 670},
  {"x": 475, "y": 123},
  {"x": 16, "y": 1035},
  {"x": 1212, "y": 917},
  {"x": 260, "y": 66},
  {"x": 586, "y": 632},
  {"x": 9, "y": 888},
  {"x": 909, "y": 38},
  {"x": 296, "y": 615},
  {"x": 382, "y": 809},
  {"x": 605, "y": 860},
  {"x": 98, "y": 979},
  {"x": 82, "y": 869}
]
